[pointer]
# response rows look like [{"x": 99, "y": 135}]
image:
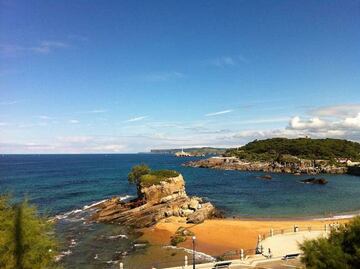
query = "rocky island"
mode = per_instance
[
  {"x": 297, "y": 156},
  {"x": 161, "y": 194}
]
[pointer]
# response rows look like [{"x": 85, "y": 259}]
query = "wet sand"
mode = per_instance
[{"x": 215, "y": 237}]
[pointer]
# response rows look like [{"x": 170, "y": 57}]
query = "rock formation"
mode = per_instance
[
  {"x": 233, "y": 163},
  {"x": 318, "y": 181},
  {"x": 157, "y": 202}
]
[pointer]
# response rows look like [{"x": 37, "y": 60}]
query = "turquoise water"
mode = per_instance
[{"x": 59, "y": 184}]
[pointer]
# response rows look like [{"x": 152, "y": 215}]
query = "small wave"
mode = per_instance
[
  {"x": 126, "y": 197},
  {"x": 121, "y": 198},
  {"x": 93, "y": 204},
  {"x": 62, "y": 255},
  {"x": 339, "y": 217},
  {"x": 78, "y": 214},
  {"x": 73, "y": 243},
  {"x": 68, "y": 214},
  {"x": 118, "y": 236},
  {"x": 198, "y": 254}
]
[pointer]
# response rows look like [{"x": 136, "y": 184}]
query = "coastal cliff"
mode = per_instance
[{"x": 155, "y": 202}]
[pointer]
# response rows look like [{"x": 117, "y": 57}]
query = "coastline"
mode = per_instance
[{"x": 218, "y": 236}]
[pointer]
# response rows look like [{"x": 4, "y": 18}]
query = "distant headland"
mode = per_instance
[
  {"x": 192, "y": 151},
  {"x": 297, "y": 156}
]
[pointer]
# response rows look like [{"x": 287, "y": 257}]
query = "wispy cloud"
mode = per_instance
[
  {"x": 337, "y": 110},
  {"x": 74, "y": 121},
  {"x": 224, "y": 61},
  {"x": 44, "y": 47},
  {"x": 45, "y": 117},
  {"x": 78, "y": 37},
  {"x": 9, "y": 103},
  {"x": 94, "y": 111},
  {"x": 219, "y": 113},
  {"x": 136, "y": 119},
  {"x": 163, "y": 76}
]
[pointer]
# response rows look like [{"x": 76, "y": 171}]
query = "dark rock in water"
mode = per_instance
[
  {"x": 158, "y": 202},
  {"x": 268, "y": 177},
  {"x": 319, "y": 181}
]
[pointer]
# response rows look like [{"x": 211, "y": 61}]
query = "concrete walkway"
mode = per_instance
[
  {"x": 280, "y": 245},
  {"x": 283, "y": 244}
]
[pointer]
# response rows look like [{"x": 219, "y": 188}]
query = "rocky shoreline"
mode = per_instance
[
  {"x": 233, "y": 163},
  {"x": 155, "y": 202}
]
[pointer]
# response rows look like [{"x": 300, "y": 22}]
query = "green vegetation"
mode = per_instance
[
  {"x": 177, "y": 239},
  {"x": 283, "y": 149},
  {"x": 155, "y": 177},
  {"x": 137, "y": 172},
  {"x": 340, "y": 251},
  {"x": 26, "y": 239},
  {"x": 141, "y": 175},
  {"x": 180, "y": 236}
]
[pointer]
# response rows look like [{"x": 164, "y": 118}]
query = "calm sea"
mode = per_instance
[{"x": 61, "y": 183}]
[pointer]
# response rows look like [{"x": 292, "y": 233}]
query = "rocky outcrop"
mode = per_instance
[
  {"x": 206, "y": 211},
  {"x": 159, "y": 201},
  {"x": 233, "y": 163},
  {"x": 318, "y": 181}
]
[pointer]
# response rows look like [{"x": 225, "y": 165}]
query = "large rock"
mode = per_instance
[
  {"x": 206, "y": 211},
  {"x": 166, "y": 191},
  {"x": 157, "y": 202}
]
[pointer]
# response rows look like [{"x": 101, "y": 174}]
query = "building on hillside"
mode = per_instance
[{"x": 182, "y": 153}]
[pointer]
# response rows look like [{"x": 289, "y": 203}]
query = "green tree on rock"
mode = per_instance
[
  {"x": 137, "y": 171},
  {"x": 27, "y": 240},
  {"x": 340, "y": 251}
]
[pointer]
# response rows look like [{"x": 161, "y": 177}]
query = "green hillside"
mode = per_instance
[{"x": 305, "y": 148}]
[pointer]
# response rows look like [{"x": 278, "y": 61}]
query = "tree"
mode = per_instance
[
  {"x": 340, "y": 250},
  {"x": 137, "y": 171},
  {"x": 26, "y": 239}
]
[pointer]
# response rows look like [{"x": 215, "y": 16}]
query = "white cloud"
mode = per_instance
[
  {"x": 352, "y": 122},
  {"x": 314, "y": 123},
  {"x": 74, "y": 121},
  {"x": 136, "y": 119},
  {"x": 218, "y": 113}
]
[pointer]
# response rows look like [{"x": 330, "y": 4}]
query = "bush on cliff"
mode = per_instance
[
  {"x": 155, "y": 177},
  {"x": 340, "y": 250},
  {"x": 137, "y": 172},
  {"x": 141, "y": 175},
  {"x": 26, "y": 239}
]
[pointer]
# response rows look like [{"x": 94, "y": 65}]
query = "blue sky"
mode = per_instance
[{"x": 128, "y": 76}]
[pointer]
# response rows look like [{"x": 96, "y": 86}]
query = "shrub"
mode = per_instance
[{"x": 340, "y": 250}]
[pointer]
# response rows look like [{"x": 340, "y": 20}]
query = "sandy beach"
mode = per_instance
[{"x": 217, "y": 236}]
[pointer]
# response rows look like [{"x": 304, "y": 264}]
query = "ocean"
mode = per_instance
[{"x": 65, "y": 185}]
